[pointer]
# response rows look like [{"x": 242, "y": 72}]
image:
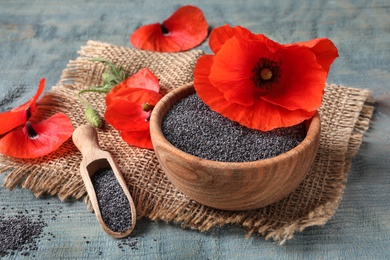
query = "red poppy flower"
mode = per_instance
[
  {"x": 184, "y": 30},
  {"x": 24, "y": 139},
  {"x": 129, "y": 105},
  {"x": 19, "y": 115},
  {"x": 260, "y": 83},
  {"x": 36, "y": 140}
]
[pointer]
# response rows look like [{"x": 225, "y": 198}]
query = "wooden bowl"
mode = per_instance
[{"x": 231, "y": 185}]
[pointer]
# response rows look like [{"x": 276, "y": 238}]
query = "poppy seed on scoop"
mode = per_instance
[{"x": 113, "y": 203}]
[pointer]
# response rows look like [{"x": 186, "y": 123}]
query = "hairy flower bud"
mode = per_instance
[{"x": 93, "y": 117}]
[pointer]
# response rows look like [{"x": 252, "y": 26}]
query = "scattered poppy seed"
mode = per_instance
[
  {"x": 194, "y": 128},
  {"x": 20, "y": 233},
  {"x": 131, "y": 242},
  {"x": 113, "y": 204}
]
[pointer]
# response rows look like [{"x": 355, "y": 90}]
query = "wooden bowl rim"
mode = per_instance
[{"x": 313, "y": 133}]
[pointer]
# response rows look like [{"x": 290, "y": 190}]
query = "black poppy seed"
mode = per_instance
[
  {"x": 113, "y": 203},
  {"x": 194, "y": 128},
  {"x": 130, "y": 242},
  {"x": 20, "y": 233}
]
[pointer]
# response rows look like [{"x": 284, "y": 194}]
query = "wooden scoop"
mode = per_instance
[{"x": 94, "y": 158}]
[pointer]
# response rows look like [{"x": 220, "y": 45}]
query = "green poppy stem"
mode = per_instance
[{"x": 112, "y": 77}]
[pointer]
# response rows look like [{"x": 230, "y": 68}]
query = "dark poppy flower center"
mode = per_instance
[
  {"x": 266, "y": 73},
  {"x": 164, "y": 29},
  {"x": 32, "y": 134}
]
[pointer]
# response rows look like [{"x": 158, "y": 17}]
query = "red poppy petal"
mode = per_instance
[
  {"x": 124, "y": 108},
  {"x": 140, "y": 139},
  {"x": 201, "y": 74},
  {"x": 150, "y": 37},
  {"x": 262, "y": 115},
  {"x": 220, "y": 35},
  {"x": 12, "y": 119},
  {"x": 133, "y": 95},
  {"x": 144, "y": 79},
  {"x": 187, "y": 29},
  {"x": 127, "y": 116},
  {"x": 52, "y": 132},
  {"x": 210, "y": 95},
  {"x": 302, "y": 83},
  {"x": 19, "y": 115},
  {"x": 34, "y": 99},
  {"x": 324, "y": 49},
  {"x": 231, "y": 71}
]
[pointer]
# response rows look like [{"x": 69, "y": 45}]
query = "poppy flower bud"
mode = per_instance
[{"x": 93, "y": 117}]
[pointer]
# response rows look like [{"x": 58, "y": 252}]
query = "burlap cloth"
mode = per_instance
[{"x": 345, "y": 116}]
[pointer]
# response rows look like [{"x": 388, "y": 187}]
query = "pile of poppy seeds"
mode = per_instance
[
  {"x": 20, "y": 232},
  {"x": 194, "y": 128},
  {"x": 113, "y": 203}
]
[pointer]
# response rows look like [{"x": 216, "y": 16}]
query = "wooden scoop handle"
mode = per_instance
[{"x": 86, "y": 140}]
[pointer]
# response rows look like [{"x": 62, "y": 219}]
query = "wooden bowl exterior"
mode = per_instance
[{"x": 231, "y": 185}]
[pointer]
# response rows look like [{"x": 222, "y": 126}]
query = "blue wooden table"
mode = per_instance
[{"x": 38, "y": 38}]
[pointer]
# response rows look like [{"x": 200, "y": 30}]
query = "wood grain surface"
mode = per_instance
[{"x": 39, "y": 37}]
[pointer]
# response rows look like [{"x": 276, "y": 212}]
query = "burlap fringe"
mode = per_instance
[{"x": 160, "y": 200}]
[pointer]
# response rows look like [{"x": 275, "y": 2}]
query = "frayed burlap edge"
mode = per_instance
[{"x": 345, "y": 114}]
